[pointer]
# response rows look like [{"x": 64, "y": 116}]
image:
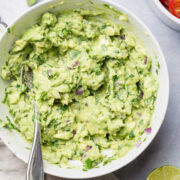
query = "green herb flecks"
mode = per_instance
[
  {"x": 9, "y": 125},
  {"x": 28, "y": 148},
  {"x": 8, "y": 30},
  {"x": 131, "y": 134},
  {"x": 158, "y": 65},
  {"x": 43, "y": 95},
  {"x": 64, "y": 108},
  {"x": 31, "y": 2},
  {"x": 5, "y": 98},
  {"x": 75, "y": 54},
  {"x": 40, "y": 60},
  {"x": 104, "y": 26},
  {"x": 89, "y": 164},
  {"x": 107, "y": 161}
]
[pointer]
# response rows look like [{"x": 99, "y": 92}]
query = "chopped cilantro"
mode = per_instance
[
  {"x": 5, "y": 98},
  {"x": 108, "y": 160},
  {"x": 43, "y": 95},
  {"x": 40, "y": 60},
  {"x": 157, "y": 72},
  {"x": 64, "y": 108},
  {"x": 131, "y": 75},
  {"x": 107, "y": 5},
  {"x": 66, "y": 32},
  {"x": 8, "y": 30},
  {"x": 115, "y": 78},
  {"x": 109, "y": 89},
  {"x": 28, "y": 148},
  {"x": 158, "y": 65},
  {"x": 88, "y": 164},
  {"x": 104, "y": 26},
  {"x": 10, "y": 125},
  {"x": 84, "y": 169},
  {"x": 18, "y": 86},
  {"x": 131, "y": 134},
  {"x": 97, "y": 70}
]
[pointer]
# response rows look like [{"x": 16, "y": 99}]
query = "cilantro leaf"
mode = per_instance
[
  {"x": 131, "y": 134},
  {"x": 88, "y": 164}
]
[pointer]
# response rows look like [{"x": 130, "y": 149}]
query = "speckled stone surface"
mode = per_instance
[{"x": 165, "y": 148}]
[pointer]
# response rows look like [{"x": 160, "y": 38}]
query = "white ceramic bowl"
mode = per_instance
[
  {"x": 18, "y": 145},
  {"x": 165, "y": 15}
]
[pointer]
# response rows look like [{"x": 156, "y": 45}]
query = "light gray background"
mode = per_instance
[{"x": 165, "y": 149}]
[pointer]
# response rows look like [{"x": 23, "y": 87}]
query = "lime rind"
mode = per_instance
[{"x": 167, "y": 172}]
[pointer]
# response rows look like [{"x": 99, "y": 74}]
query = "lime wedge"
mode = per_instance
[{"x": 165, "y": 173}]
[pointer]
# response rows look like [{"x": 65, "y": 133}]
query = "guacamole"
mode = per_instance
[{"x": 92, "y": 83}]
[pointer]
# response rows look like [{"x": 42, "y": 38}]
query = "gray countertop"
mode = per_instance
[{"x": 166, "y": 146}]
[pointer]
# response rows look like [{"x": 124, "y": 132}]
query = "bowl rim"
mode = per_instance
[
  {"x": 166, "y": 12},
  {"x": 115, "y": 168}
]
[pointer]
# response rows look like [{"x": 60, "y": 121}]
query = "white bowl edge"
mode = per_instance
[{"x": 109, "y": 168}]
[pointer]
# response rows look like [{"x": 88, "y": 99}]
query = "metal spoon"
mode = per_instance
[{"x": 35, "y": 165}]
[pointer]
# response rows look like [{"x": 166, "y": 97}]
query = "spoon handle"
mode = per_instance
[{"x": 35, "y": 164}]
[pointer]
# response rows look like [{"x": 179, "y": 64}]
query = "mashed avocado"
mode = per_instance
[{"x": 92, "y": 83}]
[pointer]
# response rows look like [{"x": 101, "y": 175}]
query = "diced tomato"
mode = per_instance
[
  {"x": 165, "y": 2},
  {"x": 174, "y": 7}
]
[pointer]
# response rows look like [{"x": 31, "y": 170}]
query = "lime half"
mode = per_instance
[{"x": 165, "y": 173}]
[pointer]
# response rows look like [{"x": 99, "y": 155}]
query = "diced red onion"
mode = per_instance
[
  {"x": 148, "y": 130},
  {"x": 141, "y": 95},
  {"x": 76, "y": 64},
  {"x": 88, "y": 148},
  {"x": 138, "y": 144},
  {"x": 145, "y": 60},
  {"x": 74, "y": 131},
  {"x": 123, "y": 36},
  {"x": 79, "y": 91}
]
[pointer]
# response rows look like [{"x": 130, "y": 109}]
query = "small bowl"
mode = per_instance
[{"x": 165, "y": 15}]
